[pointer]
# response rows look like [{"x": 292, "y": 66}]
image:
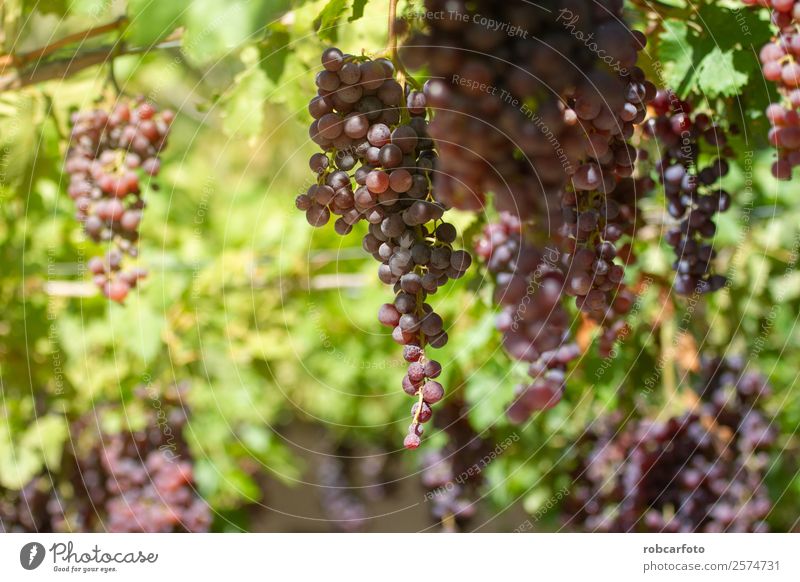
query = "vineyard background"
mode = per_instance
[{"x": 289, "y": 383}]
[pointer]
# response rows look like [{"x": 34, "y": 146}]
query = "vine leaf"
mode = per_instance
[
  {"x": 59, "y": 7},
  {"x": 40, "y": 446},
  {"x": 327, "y": 23},
  {"x": 20, "y": 123},
  {"x": 151, "y": 21},
  {"x": 274, "y": 50},
  {"x": 358, "y": 10},
  {"x": 216, "y": 29},
  {"x": 716, "y": 60},
  {"x": 243, "y": 105}
]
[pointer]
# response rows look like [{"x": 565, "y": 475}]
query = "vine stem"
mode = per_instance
[
  {"x": 36, "y": 54},
  {"x": 420, "y": 402},
  {"x": 393, "y": 30},
  {"x": 62, "y": 68},
  {"x": 403, "y": 76},
  {"x": 449, "y": 522},
  {"x": 112, "y": 78}
]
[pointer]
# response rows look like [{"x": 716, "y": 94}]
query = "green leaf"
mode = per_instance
[
  {"x": 275, "y": 50},
  {"x": 152, "y": 21},
  {"x": 138, "y": 326},
  {"x": 711, "y": 54},
  {"x": 243, "y": 106},
  {"x": 22, "y": 457},
  {"x": 358, "y": 10},
  {"x": 718, "y": 76},
  {"x": 327, "y": 23},
  {"x": 488, "y": 395},
  {"x": 17, "y": 466},
  {"x": 676, "y": 52},
  {"x": 59, "y": 7},
  {"x": 786, "y": 288},
  {"x": 47, "y": 436},
  {"x": 215, "y": 28},
  {"x": 20, "y": 124}
]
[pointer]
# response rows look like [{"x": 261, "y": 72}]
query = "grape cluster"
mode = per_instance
[
  {"x": 31, "y": 509},
  {"x": 452, "y": 475},
  {"x": 139, "y": 481},
  {"x": 533, "y": 321},
  {"x": 734, "y": 397},
  {"x": 599, "y": 207},
  {"x": 485, "y": 83},
  {"x": 108, "y": 155},
  {"x": 142, "y": 480},
  {"x": 343, "y": 508},
  {"x": 699, "y": 472},
  {"x": 594, "y": 225},
  {"x": 693, "y": 193},
  {"x": 375, "y": 166},
  {"x": 148, "y": 490},
  {"x": 545, "y": 126},
  {"x": 779, "y": 62}
]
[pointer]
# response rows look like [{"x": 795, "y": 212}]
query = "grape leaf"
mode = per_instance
[
  {"x": 243, "y": 105},
  {"x": 675, "y": 53},
  {"x": 327, "y": 23},
  {"x": 274, "y": 50},
  {"x": 717, "y": 74},
  {"x": 711, "y": 54},
  {"x": 40, "y": 445},
  {"x": 151, "y": 21},
  {"x": 59, "y": 7},
  {"x": 215, "y": 27},
  {"x": 20, "y": 123},
  {"x": 358, "y": 10},
  {"x": 46, "y": 436}
]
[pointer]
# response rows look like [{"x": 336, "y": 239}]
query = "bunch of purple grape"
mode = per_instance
[
  {"x": 699, "y": 472},
  {"x": 600, "y": 207},
  {"x": 484, "y": 84},
  {"x": 107, "y": 157},
  {"x": 533, "y": 321},
  {"x": 346, "y": 510},
  {"x": 779, "y": 62},
  {"x": 693, "y": 193},
  {"x": 593, "y": 225},
  {"x": 149, "y": 490},
  {"x": 734, "y": 397},
  {"x": 140, "y": 481},
  {"x": 30, "y": 509},
  {"x": 559, "y": 163},
  {"x": 375, "y": 167}
]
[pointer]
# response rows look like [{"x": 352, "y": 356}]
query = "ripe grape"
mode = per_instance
[
  {"x": 693, "y": 193},
  {"x": 109, "y": 152},
  {"x": 702, "y": 471},
  {"x": 375, "y": 166}
]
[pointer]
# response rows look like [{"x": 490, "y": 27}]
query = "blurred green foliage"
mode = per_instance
[{"x": 272, "y": 322}]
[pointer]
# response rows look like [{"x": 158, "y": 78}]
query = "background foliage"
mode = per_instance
[{"x": 272, "y": 324}]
